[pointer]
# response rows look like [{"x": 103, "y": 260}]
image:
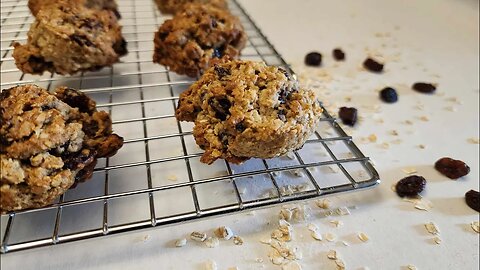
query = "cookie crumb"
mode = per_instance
[
  {"x": 409, "y": 170},
  {"x": 237, "y": 240},
  {"x": 336, "y": 223},
  {"x": 324, "y": 203},
  {"x": 224, "y": 233},
  {"x": 411, "y": 267}
]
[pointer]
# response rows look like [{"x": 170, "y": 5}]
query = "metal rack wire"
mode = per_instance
[{"x": 156, "y": 178}]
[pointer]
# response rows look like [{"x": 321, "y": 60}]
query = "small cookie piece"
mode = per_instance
[
  {"x": 68, "y": 38},
  {"x": 245, "y": 109},
  {"x": 194, "y": 38},
  {"x": 174, "y": 6},
  {"x": 48, "y": 142},
  {"x": 36, "y": 5}
]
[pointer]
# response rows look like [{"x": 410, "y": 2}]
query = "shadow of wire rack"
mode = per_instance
[{"x": 156, "y": 178}]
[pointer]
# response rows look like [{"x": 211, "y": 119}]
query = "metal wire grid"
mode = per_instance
[{"x": 156, "y": 178}]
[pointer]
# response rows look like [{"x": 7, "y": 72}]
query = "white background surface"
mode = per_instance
[{"x": 433, "y": 41}]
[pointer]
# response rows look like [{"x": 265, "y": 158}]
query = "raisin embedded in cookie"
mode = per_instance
[
  {"x": 189, "y": 42},
  {"x": 49, "y": 142},
  {"x": 245, "y": 109},
  {"x": 36, "y": 5},
  {"x": 68, "y": 38},
  {"x": 173, "y": 6}
]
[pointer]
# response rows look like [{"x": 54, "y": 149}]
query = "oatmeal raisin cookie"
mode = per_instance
[
  {"x": 49, "y": 142},
  {"x": 173, "y": 6},
  {"x": 36, "y": 5},
  {"x": 245, "y": 109}
]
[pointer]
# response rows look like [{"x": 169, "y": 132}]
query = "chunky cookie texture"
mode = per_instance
[
  {"x": 48, "y": 143},
  {"x": 68, "y": 38},
  {"x": 245, "y": 109},
  {"x": 111, "y": 5},
  {"x": 189, "y": 42},
  {"x": 174, "y": 6}
]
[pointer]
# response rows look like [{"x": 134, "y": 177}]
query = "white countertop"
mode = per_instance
[{"x": 430, "y": 40}]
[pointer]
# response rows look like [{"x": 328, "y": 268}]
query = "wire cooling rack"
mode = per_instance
[{"x": 156, "y": 178}]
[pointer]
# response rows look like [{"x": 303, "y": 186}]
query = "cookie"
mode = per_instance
[
  {"x": 173, "y": 6},
  {"x": 36, "y": 5},
  {"x": 245, "y": 109},
  {"x": 69, "y": 38},
  {"x": 49, "y": 142},
  {"x": 189, "y": 42}
]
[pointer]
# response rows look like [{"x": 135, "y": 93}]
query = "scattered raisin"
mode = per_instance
[
  {"x": 120, "y": 47},
  {"x": 163, "y": 35},
  {"x": 410, "y": 186},
  {"x": 348, "y": 115},
  {"x": 338, "y": 54},
  {"x": 373, "y": 65},
  {"x": 425, "y": 88},
  {"x": 313, "y": 59},
  {"x": 389, "y": 95},
  {"x": 472, "y": 198},
  {"x": 452, "y": 168}
]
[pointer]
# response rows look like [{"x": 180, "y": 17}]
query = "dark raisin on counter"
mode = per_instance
[
  {"x": 348, "y": 115},
  {"x": 389, "y": 95},
  {"x": 373, "y": 65},
  {"x": 410, "y": 186},
  {"x": 452, "y": 168},
  {"x": 338, "y": 54},
  {"x": 472, "y": 198},
  {"x": 313, "y": 59},
  {"x": 422, "y": 87}
]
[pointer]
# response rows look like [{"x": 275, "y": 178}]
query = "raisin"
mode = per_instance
[
  {"x": 338, "y": 54},
  {"x": 283, "y": 96},
  {"x": 389, "y": 95},
  {"x": 373, "y": 65},
  {"x": 472, "y": 198},
  {"x": 116, "y": 13},
  {"x": 214, "y": 22},
  {"x": 77, "y": 100},
  {"x": 284, "y": 72},
  {"x": 221, "y": 107},
  {"x": 411, "y": 186},
  {"x": 81, "y": 40},
  {"x": 348, "y": 115},
  {"x": 281, "y": 114},
  {"x": 452, "y": 168},
  {"x": 221, "y": 71},
  {"x": 313, "y": 59},
  {"x": 27, "y": 107},
  {"x": 422, "y": 87},
  {"x": 120, "y": 47}
]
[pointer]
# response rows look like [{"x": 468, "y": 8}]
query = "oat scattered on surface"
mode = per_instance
[
  {"x": 181, "y": 242},
  {"x": 336, "y": 223},
  {"x": 292, "y": 266},
  {"x": 474, "y": 140},
  {"x": 475, "y": 226},
  {"x": 234, "y": 268},
  {"x": 412, "y": 267},
  {"x": 332, "y": 254},
  {"x": 432, "y": 228},
  {"x": 394, "y": 132},
  {"x": 363, "y": 236},
  {"x": 198, "y": 236},
  {"x": 409, "y": 170},
  {"x": 345, "y": 243},
  {"x": 372, "y": 138},
  {"x": 340, "y": 264},
  {"x": 237, "y": 240},
  {"x": 223, "y": 232},
  {"x": 437, "y": 240},
  {"x": 422, "y": 146},
  {"x": 312, "y": 227},
  {"x": 408, "y": 122},
  {"x": 330, "y": 237},
  {"x": 420, "y": 203},
  {"x": 266, "y": 240},
  {"x": 424, "y": 118},
  {"x": 324, "y": 203},
  {"x": 282, "y": 253},
  {"x": 316, "y": 235},
  {"x": 210, "y": 265},
  {"x": 172, "y": 177},
  {"x": 283, "y": 232},
  {"x": 212, "y": 242},
  {"x": 343, "y": 211}
]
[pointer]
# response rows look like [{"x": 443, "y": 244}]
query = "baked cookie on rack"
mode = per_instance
[
  {"x": 245, "y": 109},
  {"x": 36, "y": 5},
  {"x": 173, "y": 6},
  {"x": 189, "y": 42},
  {"x": 49, "y": 142},
  {"x": 69, "y": 38}
]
